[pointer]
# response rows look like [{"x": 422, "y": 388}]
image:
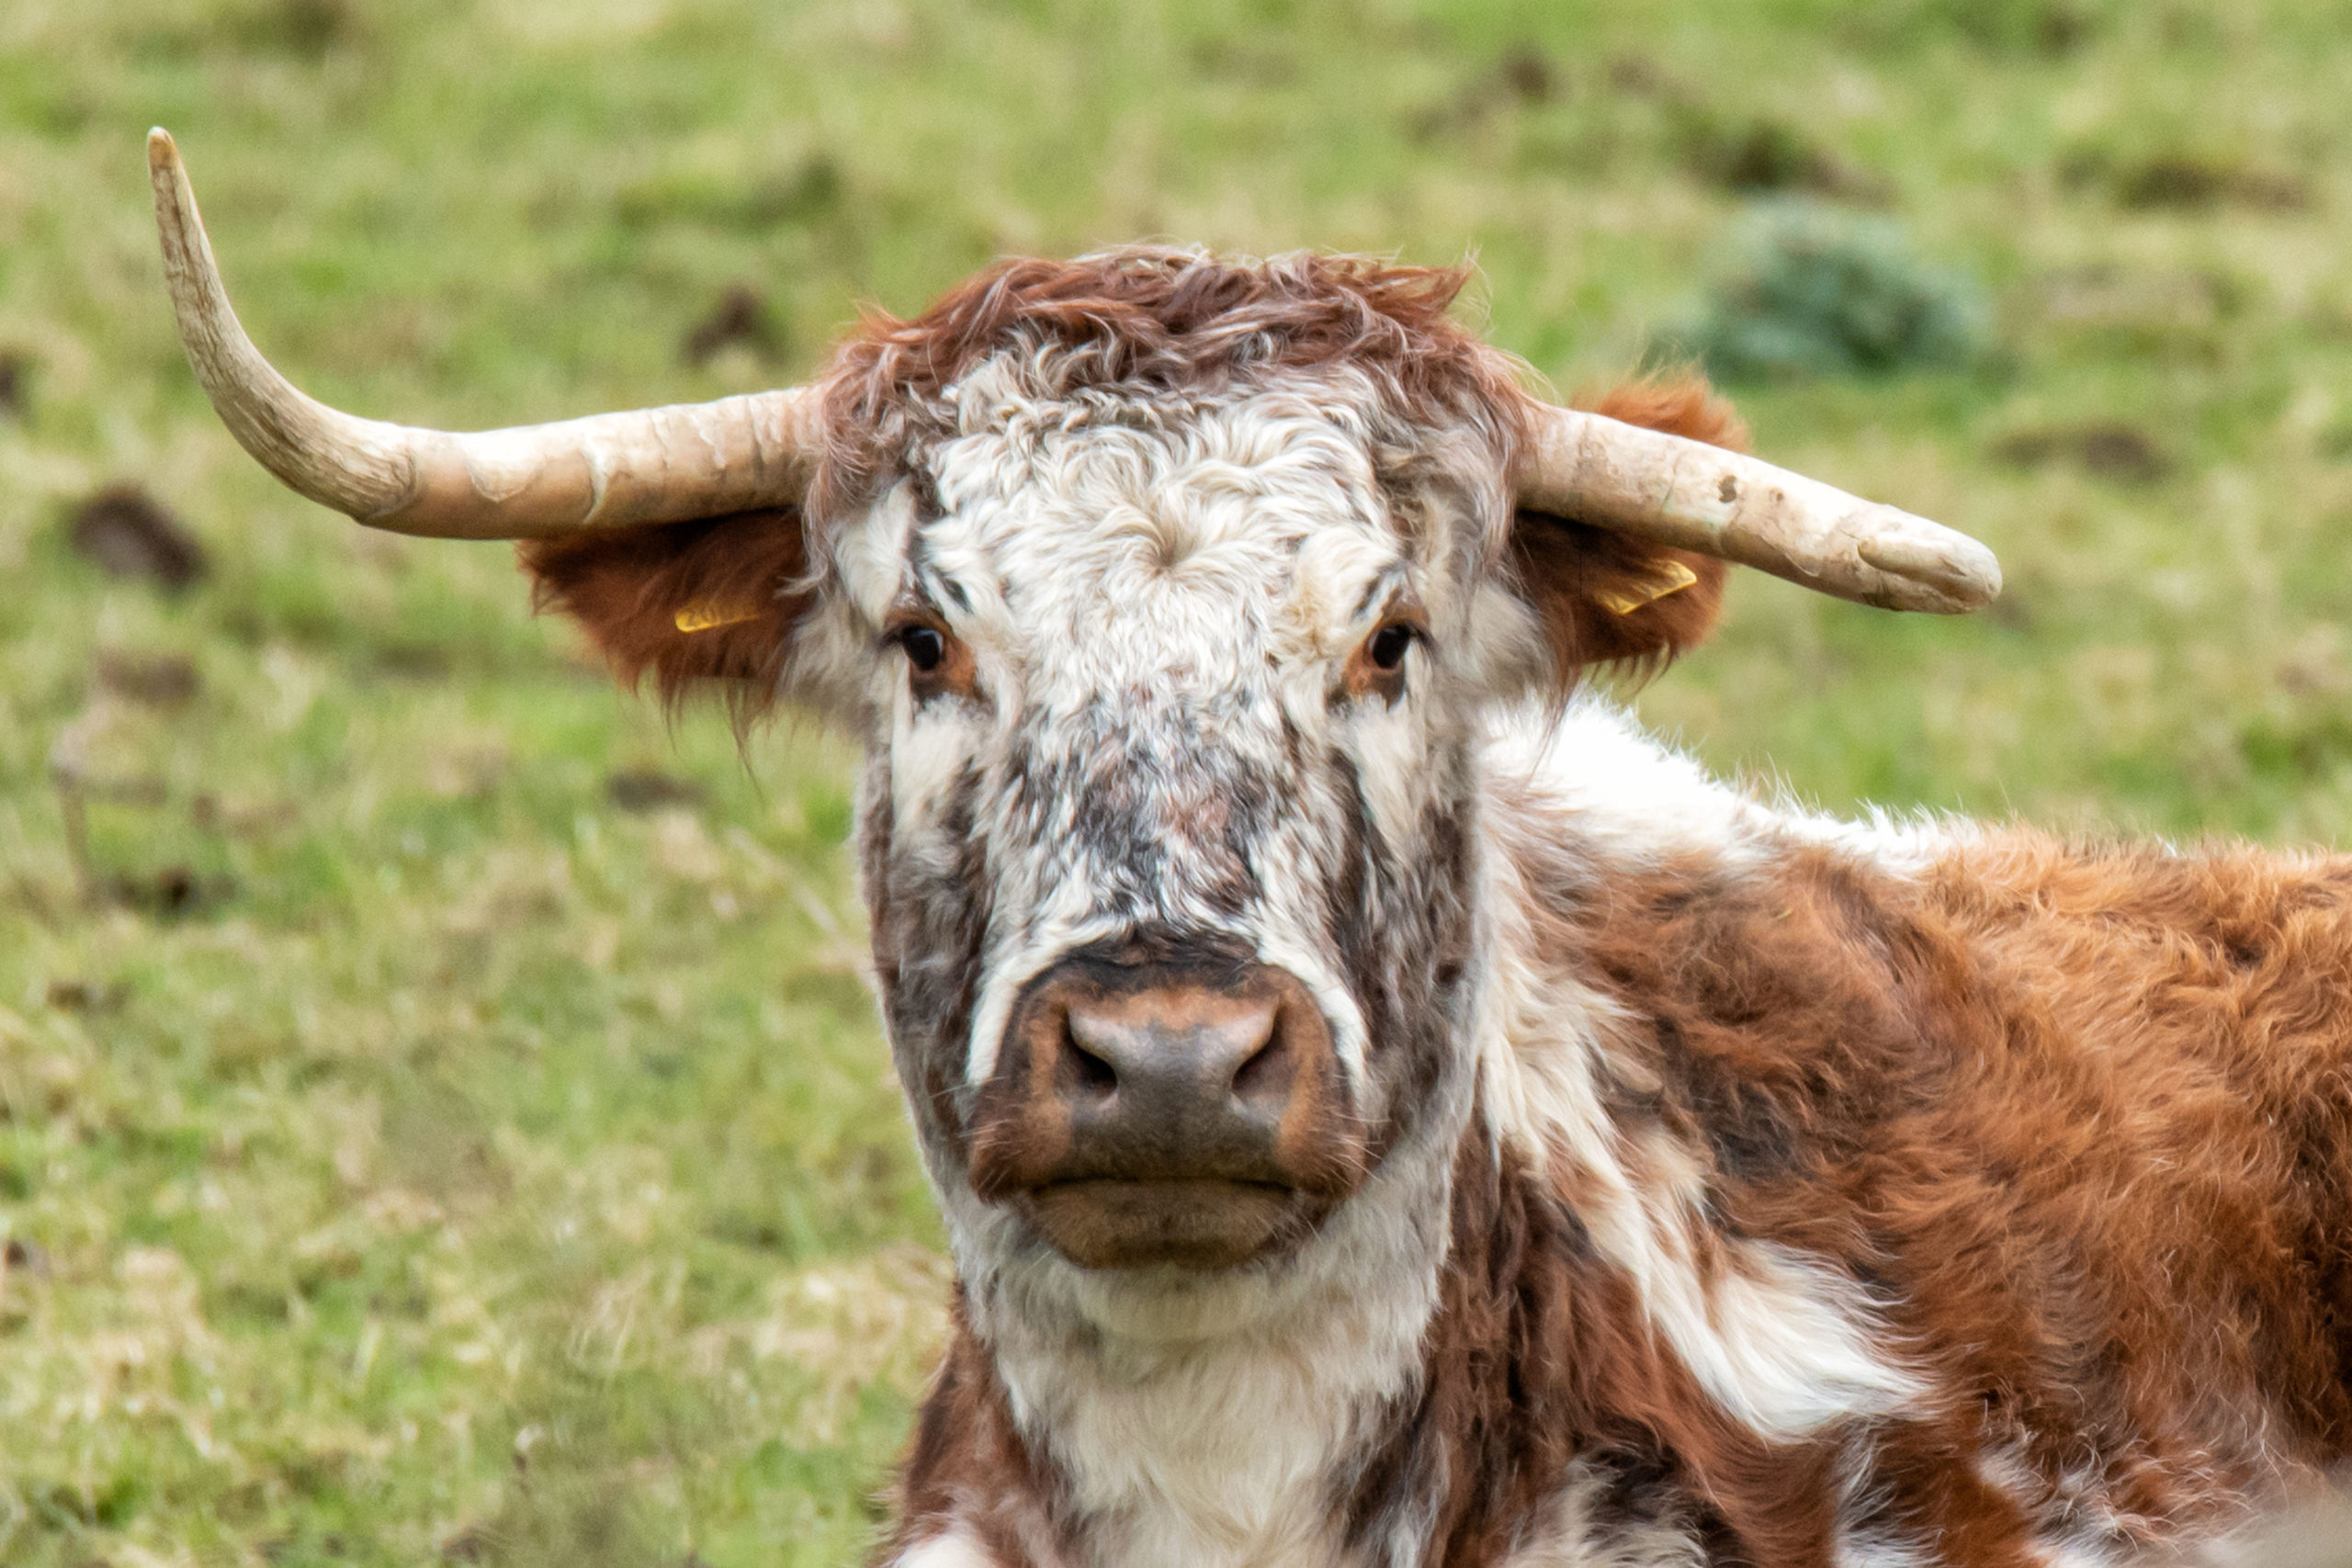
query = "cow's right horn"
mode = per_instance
[
  {"x": 609, "y": 470},
  {"x": 1655, "y": 486}
]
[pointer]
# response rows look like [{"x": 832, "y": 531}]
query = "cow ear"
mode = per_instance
[
  {"x": 711, "y": 605},
  {"x": 1608, "y": 598}
]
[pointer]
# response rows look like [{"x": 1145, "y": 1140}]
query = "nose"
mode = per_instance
[
  {"x": 1193, "y": 1114},
  {"x": 1169, "y": 1068}
]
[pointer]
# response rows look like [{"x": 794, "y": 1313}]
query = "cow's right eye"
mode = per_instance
[
  {"x": 926, "y": 648},
  {"x": 938, "y": 663}
]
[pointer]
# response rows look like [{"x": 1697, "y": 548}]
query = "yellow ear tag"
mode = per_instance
[
  {"x": 709, "y": 615},
  {"x": 1671, "y": 576}
]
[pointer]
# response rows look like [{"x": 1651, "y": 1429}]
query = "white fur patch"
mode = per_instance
[
  {"x": 1630, "y": 799},
  {"x": 1637, "y": 801},
  {"x": 959, "y": 1548},
  {"x": 1203, "y": 577}
]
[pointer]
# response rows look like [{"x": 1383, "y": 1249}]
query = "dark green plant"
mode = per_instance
[{"x": 1810, "y": 291}]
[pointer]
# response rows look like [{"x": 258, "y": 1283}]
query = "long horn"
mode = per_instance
[
  {"x": 1701, "y": 497},
  {"x": 609, "y": 470}
]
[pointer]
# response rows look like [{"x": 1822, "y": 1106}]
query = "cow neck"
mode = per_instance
[
  {"x": 1231, "y": 1429},
  {"x": 1535, "y": 1376}
]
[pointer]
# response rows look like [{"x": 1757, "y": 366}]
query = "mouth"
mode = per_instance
[{"x": 1204, "y": 1225}]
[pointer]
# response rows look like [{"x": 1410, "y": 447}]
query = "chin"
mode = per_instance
[
  {"x": 1202, "y": 1227},
  {"x": 1162, "y": 1304}
]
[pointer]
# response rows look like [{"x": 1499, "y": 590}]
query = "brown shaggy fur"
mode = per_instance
[
  {"x": 627, "y": 588},
  {"x": 2083, "y": 1118},
  {"x": 1143, "y": 321},
  {"x": 1540, "y": 1355}
]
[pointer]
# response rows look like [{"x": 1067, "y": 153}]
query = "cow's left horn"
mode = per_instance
[
  {"x": 609, "y": 470},
  {"x": 1701, "y": 497}
]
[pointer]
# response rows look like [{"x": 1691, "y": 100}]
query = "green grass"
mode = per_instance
[{"x": 478, "y": 1168}]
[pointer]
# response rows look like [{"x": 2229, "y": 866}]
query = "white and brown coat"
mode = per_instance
[{"x": 1703, "y": 1182}]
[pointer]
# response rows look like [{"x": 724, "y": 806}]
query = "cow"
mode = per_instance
[{"x": 1386, "y": 1108}]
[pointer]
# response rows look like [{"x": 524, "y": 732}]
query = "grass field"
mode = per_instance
[{"x": 440, "y": 1116}]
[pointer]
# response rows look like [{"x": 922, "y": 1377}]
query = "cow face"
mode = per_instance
[
  {"x": 1164, "y": 817},
  {"x": 1171, "y": 689}
]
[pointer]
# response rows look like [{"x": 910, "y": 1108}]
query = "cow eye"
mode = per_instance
[
  {"x": 938, "y": 663},
  {"x": 1376, "y": 669},
  {"x": 1386, "y": 649},
  {"x": 926, "y": 648}
]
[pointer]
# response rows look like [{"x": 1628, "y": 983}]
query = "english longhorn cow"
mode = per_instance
[{"x": 1387, "y": 1109}]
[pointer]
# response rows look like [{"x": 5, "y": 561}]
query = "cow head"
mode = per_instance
[{"x": 1168, "y": 595}]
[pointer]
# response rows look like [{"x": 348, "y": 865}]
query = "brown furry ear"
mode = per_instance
[
  {"x": 1607, "y": 598},
  {"x": 704, "y": 605}
]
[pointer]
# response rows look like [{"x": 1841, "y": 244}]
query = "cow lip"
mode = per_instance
[
  {"x": 1199, "y": 1223},
  {"x": 1262, "y": 1184}
]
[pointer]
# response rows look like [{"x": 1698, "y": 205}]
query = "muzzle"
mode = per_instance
[{"x": 1185, "y": 1112}]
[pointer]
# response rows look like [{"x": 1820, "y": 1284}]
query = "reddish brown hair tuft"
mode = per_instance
[
  {"x": 1150, "y": 320},
  {"x": 628, "y": 589}
]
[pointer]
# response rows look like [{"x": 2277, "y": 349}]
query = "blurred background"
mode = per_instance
[{"x": 441, "y": 1118}]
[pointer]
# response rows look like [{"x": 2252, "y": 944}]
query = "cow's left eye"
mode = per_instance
[
  {"x": 926, "y": 648},
  {"x": 1387, "y": 649}
]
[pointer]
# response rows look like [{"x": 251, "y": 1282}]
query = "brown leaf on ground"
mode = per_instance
[
  {"x": 169, "y": 891},
  {"x": 2183, "y": 181},
  {"x": 742, "y": 316},
  {"x": 154, "y": 680},
  {"x": 643, "y": 789},
  {"x": 1528, "y": 74},
  {"x": 2111, "y": 451},
  {"x": 82, "y": 996},
  {"x": 1774, "y": 156},
  {"x": 15, "y": 384},
  {"x": 127, "y": 534}
]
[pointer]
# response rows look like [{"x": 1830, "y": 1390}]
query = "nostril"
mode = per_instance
[
  {"x": 1265, "y": 1075},
  {"x": 1085, "y": 1072}
]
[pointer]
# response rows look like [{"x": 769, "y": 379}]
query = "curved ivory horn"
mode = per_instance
[
  {"x": 609, "y": 470},
  {"x": 1701, "y": 497}
]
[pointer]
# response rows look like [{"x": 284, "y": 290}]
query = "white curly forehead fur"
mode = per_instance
[
  {"x": 1081, "y": 532},
  {"x": 1160, "y": 595}
]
